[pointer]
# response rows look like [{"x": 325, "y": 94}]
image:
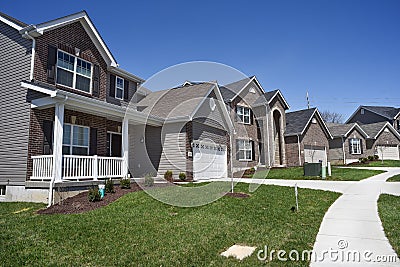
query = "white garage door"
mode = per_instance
[
  {"x": 315, "y": 155},
  {"x": 388, "y": 152},
  {"x": 209, "y": 160}
]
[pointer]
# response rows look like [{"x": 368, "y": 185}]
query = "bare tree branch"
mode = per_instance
[{"x": 332, "y": 117}]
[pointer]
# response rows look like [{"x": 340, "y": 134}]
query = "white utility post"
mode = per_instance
[
  {"x": 296, "y": 194},
  {"x": 125, "y": 146},
  {"x": 58, "y": 141}
]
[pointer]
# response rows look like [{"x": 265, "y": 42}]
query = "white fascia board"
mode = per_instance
[
  {"x": 225, "y": 112},
  {"x": 278, "y": 92},
  {"x": 10, "y": 23},
  {"x": 359, "y": 128},
  {"x": 51, "y": 93},
  {"x": 250, "y": 80},
  {"x": 393, "y": 130},
  {"x": 89, "y": 27},
  {"x": 397, "y": 116},
  {"x": 124, "y": 74},
  {"x": 323, "y": 122},
  {"x": 44, "y": 102}
]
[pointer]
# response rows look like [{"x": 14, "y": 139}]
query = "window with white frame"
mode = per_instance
[
  {"x": 119, "y": 88},
  {"x": 244, "y": 114},
  {"x": 245, "y": 149},
  {"x": 74, "y": 72},
  {"x": 75, "y": 140},
  {"x": 355, "y": 146}
]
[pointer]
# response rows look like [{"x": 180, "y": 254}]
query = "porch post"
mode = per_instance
[
  {"x": 58, "y": 140},
  {"x": 125, "y": 147}
]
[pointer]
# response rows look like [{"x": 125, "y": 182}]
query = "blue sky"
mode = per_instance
[{"x": 344, "y": 52}]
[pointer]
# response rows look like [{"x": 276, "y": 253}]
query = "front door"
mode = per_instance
[{"x": 114, "y": 144}]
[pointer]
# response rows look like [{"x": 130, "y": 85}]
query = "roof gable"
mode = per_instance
[
  {"x": 230, "y": 91},
  {"x": 343, "y": 130},
  {"x": 83, "y": 18},
  {"x": 375, "y": 129},
  {"x": 298, "y": 121},
  {"x": 385, "y": 112}
]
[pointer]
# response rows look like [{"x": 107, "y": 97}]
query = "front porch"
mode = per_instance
[{"x": 79, "y": 168}]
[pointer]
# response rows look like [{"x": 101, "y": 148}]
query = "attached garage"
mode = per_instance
[
  {"x": 388, "y": 152},
  {"x": 209, "y": 160},
  {"x": 315, "y": 154}
]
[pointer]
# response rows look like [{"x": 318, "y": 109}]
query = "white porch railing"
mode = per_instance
[
  {"x": 78, "y": 167},
  {"x": 42, "y": 167}
]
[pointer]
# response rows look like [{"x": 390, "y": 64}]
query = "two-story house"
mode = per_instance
[{"x": 374, "y": 114}]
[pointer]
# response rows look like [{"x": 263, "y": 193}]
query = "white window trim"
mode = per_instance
[
  {"x": 72, "y": 136},
  {"x": 241, "y": 117},
  {"x": 357, "y": 145},
  {"x": 116, "y": 87},
  {"x": 75, "y": 73},
  {"x": 245, "y": 150},
  {"x": 110, "y": 141}
]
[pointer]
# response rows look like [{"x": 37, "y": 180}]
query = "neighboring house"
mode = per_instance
[
  {"x": 256, "y": 130},
  {"x": 348, "y": 144},
  {"x": 306, "y": 137},
  {"x": 194, "y": 138},
  {"x": 383, "y": 140},
  {"x": 373, "y": 114},
  {"x": 69, "y": 99}
]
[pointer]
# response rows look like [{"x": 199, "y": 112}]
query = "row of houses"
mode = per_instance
[{"x": 71, "y": 117}]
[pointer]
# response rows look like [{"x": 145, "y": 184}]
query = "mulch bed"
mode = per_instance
[
  {"x": 80, "y": 202},
  {"x": 237, "y": 195}
]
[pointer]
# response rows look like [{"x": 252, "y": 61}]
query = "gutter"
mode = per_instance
[{"x": 299, "y": 148}]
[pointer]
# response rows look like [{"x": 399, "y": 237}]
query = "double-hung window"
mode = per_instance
[
  {"x": 75, "y": 140},
  {"x": 119, "y": 88},
  {"x": 244, "y": 114},
  {"x": 74, "y": 72},
  {"x": 245, "y": 149},
  {"x": 355, "y": 146}
]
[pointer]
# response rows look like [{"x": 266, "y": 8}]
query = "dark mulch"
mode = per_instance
[
  {"x": 80, "y": 202},
  {"x": 237, "y": 195}
]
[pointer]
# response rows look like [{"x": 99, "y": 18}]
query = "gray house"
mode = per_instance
[{"x": 373, "y": 114}]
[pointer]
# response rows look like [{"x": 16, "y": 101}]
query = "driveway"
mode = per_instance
[{"x": 351, "y": 231}]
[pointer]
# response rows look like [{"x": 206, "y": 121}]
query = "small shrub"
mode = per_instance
[
  {"x": 94, "y": 194},
  {"x": 110, "y": 186},
  {"x": 182, "y": 176},
  {"x": 168, "y": 176},
  {"x": 125, "y": 183},
  {"x": 376, "y": 157},
  {"x": 148, "y": 180},
  {"x": 370, "y": 158},
  {"x": 363, "y": 160}
]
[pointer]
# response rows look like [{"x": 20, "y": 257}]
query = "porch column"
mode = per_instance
[
  {"x": 125, "y": 147},
  {"x": 58, "y": 141}
]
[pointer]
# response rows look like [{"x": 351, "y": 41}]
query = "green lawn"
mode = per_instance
[
  {"x": 138, "y": 230},
  {"x": 389, "y": 210},
  {"x": 296, "y": 173},
  {"x": 386, "y": 163},
  {"x": 395, "y": 178}
]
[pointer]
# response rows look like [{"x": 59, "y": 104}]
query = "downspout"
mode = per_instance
[
  {"x": 53, "y": 177},
  {"x": 26, "y": 34},
  {"x": 299, "y": 148},
  {"x": 344, "y": 152}
]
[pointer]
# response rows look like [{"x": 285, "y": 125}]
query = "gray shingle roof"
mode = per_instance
[
  {"x": 296, "y": 121},
  {"x": 338, "y": 130},
  {"x": 265, "y": 98},
  {"x": 387, "y": 112},
  {"x": 229, "y": 91},
  {"x": 176, "y": 102},
  {"x": 374, "y": 128}
]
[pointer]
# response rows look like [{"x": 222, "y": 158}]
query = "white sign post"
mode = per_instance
[{"x": 296, "y": 194}]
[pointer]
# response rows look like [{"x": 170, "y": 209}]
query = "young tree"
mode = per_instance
[{"x": 333, "y": 117}]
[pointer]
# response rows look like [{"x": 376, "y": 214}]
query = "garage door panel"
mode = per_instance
[
  {"x": 209, "y": 160},
  {"x": 388, "y": 152},
  {"x": 315, "y": 155}
]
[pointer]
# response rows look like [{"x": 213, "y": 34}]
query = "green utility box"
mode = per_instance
[{"x": 312, "y": 169}]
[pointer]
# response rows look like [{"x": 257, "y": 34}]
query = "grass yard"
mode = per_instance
[
  {"x": 296, "y": 173},
  {"x": 389, "y": 210},
  {"x": 395, "y": 178},
  {"x": 138, "y": 230},
  {"x": 378, "y": 163}
]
